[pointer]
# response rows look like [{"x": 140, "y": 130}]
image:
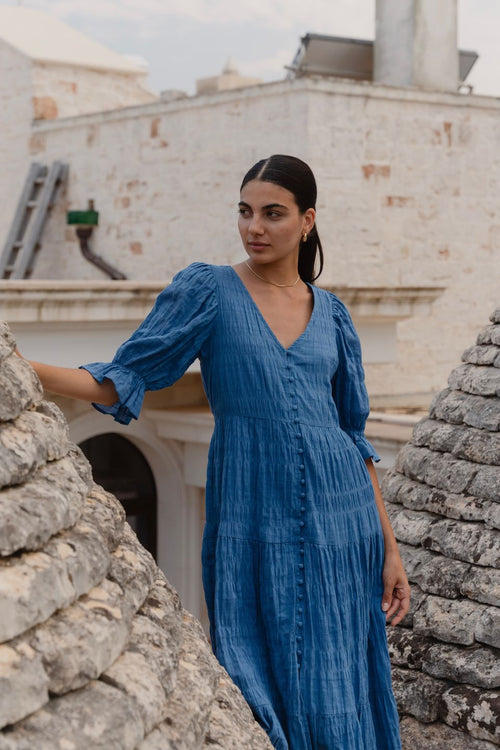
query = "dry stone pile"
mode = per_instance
[
  {"x": 444, "y": 502},
  {"x": 96, "y": 650}
]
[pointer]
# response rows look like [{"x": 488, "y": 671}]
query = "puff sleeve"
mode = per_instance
[
  {"x": 348, "y": 385},
  {"x": 168, "y": 340}
]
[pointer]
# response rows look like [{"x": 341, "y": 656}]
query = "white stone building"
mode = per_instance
[{"x": 408, "y": 172}]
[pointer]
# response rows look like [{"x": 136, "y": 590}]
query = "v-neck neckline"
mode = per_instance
[{"x": 263, "y": 319}]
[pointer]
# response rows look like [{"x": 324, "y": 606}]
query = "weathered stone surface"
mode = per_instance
[
  {"x": 7, "y": 341},
  {"x": 50, "y": 501},
  {"x": 456, "y": 407},
  {"x": 23, "y": 682},
  {"x": 472, "y": 710},
  {"x": 464, "y": 442},
  {"x": 397, "y": 488},
  {"x": 453, "y": 621},
  {"x": 436, "y": 469},
  {"x": 408, "y": 525},
  {"x": 482, "y": 585},
  {"x": 406, "y": 648},
  {"x": 476, "y": 665},
  {"x": 416, "y": 599},
  {"x": 489, "y": 335},
  {"x": 156, "y": 631},
  {"x": 495, "y": 317},
  {"x": 196, "y": 678},
  {"x": 27, "y": 443},
  {"x": 434, "y": 573},
  {"x": 481, "y": 355},
  {"x": 97, "y": 716},
  {"x": 475, "y": 379},
  {"x": 417, "y": 693},
  {"x": 103, "y": 511},
  {"x": 488, "y": 627},
  {"x": 132, "y": 567},
  {"x": 486, "y": 483},
  {"x": 230, "y": 726},
  {"x": 470, "y": 542},
  {"x": 133, "y": 674},
  {"x": 437, "y": 736},
  {"x": 19, "y": 386},
  {"x": 78, "y": 643}
]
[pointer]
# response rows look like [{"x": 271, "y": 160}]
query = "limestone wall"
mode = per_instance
[
  {"x": 443, "y": 499},
  {"x": 96, "y": 649},
  {"x": 408, "y": 183}
]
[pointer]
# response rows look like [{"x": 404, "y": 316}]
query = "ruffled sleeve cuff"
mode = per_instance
[
  {"x": 130, "y": 388},
  {"x": 364, "y": 446}
]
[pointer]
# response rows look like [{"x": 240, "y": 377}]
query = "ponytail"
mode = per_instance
[{"x": 308, "y": 251}]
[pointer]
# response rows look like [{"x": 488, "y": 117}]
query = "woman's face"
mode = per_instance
[{"x": 270, "y": 222}]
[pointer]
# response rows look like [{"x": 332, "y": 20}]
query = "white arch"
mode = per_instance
[{"x": 179, "y": 523}]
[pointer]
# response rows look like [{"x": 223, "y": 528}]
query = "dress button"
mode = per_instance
[
  {"x": 302, "y": 510},
  {"x": 301, "y": 539},
  {"x": 300, "y": 596},
  {"x": 302, "y": 494},
  {"x": 291, "y": 378},
  {"x": 302, "y": 481},
  {"x": 295, "y": 407},
  {"x": 302, "y": 467},
  {"x": 301, "y": 566},
  {"x": 299, "y": 653},
  {"x": 300, "y": 450},
  {"x": 301, "y": 524},
  {"x": 300, "y": 610},
  {"x": 301, "y": 551},
  {"x": 298, "y": 638},
  {"x": 300, "y": 582},
  {"x": 298, "y": 435},
  {"x": 296, "y": 420},
  {"x": 300, "y": 624}
]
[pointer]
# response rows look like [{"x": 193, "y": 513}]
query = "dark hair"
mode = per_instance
[{"x": 294, "y": 175}]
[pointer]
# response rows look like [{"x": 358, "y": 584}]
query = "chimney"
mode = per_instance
[{"x": 416, "y": 44}]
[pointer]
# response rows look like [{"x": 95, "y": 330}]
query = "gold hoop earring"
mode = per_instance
[{"x": 304, "y": 237}]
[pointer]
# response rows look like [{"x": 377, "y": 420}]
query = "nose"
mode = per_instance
[{"x": 255, "y": 225}]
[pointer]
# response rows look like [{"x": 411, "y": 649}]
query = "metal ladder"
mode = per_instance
[{"x": 24, "y": 238}]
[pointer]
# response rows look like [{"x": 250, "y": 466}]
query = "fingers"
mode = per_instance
[
  {"x": 16, "y": 351},
  {"x": 399, "y": 605}
]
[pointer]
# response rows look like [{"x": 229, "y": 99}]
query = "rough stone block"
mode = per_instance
[
  {"x": 482, "y": 585},
  {"x": 478, "y": 446},
  {"x": 19, "y": 386},
  {"x": 476, "y": 379},
  {"x": 78, "y": 643},
  {"x": 7, "y": 341},
  {"x": 473, "y": 711},
  {"x": 488, "y": 627},
  {"x": 23, "y": 682},
  {"x": 484, "y": 415},
  {"x": 495, "y": 316},
  {"x": 27, "y": 443},
  {"x": 77, "y": 721},
  {"x": 439, "y": 575},
  {"x": 452, "y": 621},
  {"x": 103, "y": 511},
  {"x": 437, "y": 736},
  {"x": 132, "y": 567},
  {"x": 50, "y": 501},
  {"x": 409, "y": 526},
  {"x": 476, "y": 665},
  {"x": 486, "y": 483},
  {"x": 469, "y": 542},
  {"x": 198, "y": 679},
  {"x": 481, "y": 355},
  {"x": 406, "y": 648},
  {"x": 230, "y": 726},
  {"x": 456, "y": 407},
  {"x": 416, "y": 693},
  {"x": 436, "y": 469}
]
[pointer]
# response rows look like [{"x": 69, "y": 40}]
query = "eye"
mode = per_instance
[
  {"x": 242, "y": 211},
  {"x": 274, "y": 214}
]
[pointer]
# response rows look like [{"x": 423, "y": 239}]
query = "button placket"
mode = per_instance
[{"x": 300, "y": 469}]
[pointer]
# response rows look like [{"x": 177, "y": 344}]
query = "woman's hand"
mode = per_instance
[
  {"x": 16, "y": 351},
  {"x": 396, "y": 597}
]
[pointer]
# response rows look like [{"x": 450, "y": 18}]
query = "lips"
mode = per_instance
[{"x": 257, "y": 245}]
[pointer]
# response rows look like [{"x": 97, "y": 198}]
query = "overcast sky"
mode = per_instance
[{"x": 183, "y": 40}]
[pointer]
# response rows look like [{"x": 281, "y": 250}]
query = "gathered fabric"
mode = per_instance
[{"x": 292, "y": 551}]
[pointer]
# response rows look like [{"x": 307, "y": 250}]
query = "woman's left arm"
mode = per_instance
[{"x": 396, "y": 597}]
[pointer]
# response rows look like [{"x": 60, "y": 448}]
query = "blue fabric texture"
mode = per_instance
[{"x": 292, "y": 549}]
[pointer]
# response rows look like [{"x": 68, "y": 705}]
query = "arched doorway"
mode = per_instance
[{"x": 120, "y": 467}]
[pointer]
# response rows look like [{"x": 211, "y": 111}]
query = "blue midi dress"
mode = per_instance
[{"x": 292, "y": 550}]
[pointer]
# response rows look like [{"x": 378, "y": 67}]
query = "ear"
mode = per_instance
[{"x": 309, "y": 218}]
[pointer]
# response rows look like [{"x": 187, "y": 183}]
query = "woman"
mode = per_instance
[{"x": 300, "y": 565}]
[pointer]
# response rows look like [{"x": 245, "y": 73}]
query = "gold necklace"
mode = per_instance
[{"x": 267, "y": 280}]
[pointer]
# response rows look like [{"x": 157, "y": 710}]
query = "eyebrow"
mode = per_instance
[{"x": 269, "y": 205}]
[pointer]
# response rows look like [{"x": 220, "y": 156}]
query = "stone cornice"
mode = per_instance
[{"x": 69, "y": 301}]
